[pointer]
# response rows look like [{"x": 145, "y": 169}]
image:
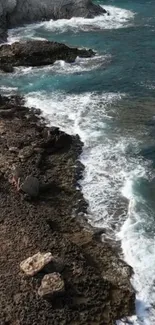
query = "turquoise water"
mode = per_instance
[{"x": 109, "y": 101}]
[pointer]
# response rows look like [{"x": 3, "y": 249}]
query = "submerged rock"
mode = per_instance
[
  {"x": 51, "y": 285},
  {"x": 38, "y": 53},
  {"x": 36, "y": 263}
]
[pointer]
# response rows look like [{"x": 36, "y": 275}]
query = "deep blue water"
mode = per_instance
[{"x": 110, "y": 102}]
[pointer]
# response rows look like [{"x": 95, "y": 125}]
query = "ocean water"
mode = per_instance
[{"x": 109, "y": 100}]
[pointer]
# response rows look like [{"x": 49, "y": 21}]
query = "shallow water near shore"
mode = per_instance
[{"x": 109, "y": 101}]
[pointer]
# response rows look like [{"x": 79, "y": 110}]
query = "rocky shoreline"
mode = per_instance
[
  {"x": 16, "y": 13},
  {"x": 37, "y": 53},
  {"x": 97, "y": 283}
]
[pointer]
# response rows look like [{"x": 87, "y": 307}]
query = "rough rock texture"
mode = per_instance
[
  {"x": 34, "y": 264},
  {"x": 52, "y": 285},
  {"x": 37, "y": 53},
  {"x": 97, "y": 282},
  {"x": 14, "y": 13}
]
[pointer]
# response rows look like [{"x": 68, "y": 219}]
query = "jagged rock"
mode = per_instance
[
  {"x": 38, "y": 53},
  {"x": 56, "y": 140},
  {"x": 36, "y": 263},
  {"x": 52, "y": 285},
  {"x": 30, "y": 186},
  {"x": 62, "y": 140}
]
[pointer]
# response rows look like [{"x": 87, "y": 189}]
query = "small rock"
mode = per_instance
[
  {"x": 30, "y": 186},
  {"x": 51, "y": 285},
  {"x": 36, "y": 263}
]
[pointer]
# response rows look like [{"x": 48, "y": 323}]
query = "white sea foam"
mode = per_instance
[
  {"x": 8, "y": 90},
  {"x": 118, "y": 18},
  {"x": 23, "y": 33},
  {"x": 139, "y": 250},
  {"x": 109, "y": 174},
  {"x": 104, "y": 156},
  {"x": 62, "y": 67}
]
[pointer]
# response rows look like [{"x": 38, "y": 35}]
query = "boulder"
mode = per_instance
[
  {"x": 35, "y": 263},
  {"x": 52, "y": 285}
]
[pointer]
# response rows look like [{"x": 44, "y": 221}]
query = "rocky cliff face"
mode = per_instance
[{"x": 14, "y": 13}]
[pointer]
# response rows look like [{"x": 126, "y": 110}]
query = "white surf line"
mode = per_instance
[{"x": 117, "y": 18}]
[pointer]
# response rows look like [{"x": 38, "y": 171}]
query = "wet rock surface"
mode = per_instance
[
  {"x": 97, "y": 282},
  {"x": 37, "y": 53}
]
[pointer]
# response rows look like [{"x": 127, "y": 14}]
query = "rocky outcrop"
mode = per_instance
[
  {"x": 97, "y": 282},
  {"x": 14, "y": 13},
  {"x": 37, "y": 53}
]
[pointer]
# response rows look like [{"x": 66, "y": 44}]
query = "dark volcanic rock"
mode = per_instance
[
  {"x": 97, "y": 283},
  {"x": 37, "y": 53}
]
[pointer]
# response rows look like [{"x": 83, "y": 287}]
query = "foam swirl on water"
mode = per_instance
[{"x": 117, "y": 18}]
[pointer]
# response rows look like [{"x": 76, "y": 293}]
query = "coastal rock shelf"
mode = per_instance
[
  {"x": 97, "y": 282},
  {"x": 37, "y": 53}
]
